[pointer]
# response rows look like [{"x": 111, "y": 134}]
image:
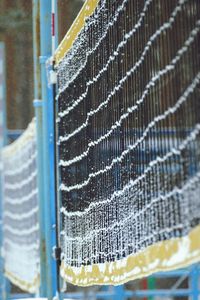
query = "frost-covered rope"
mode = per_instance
[
  {"x": 16, "y": 200},
  {"x": 21, "y": 232},
  {"x": 23, "y": 168},
  {"x": 20, "y": 211},
  {"x": 170, "y": 110},
  {"x": 25, "y": 215},
  {"x": 21, "y": 184},
  {"x": 111, "y": 58},
  {"x": 99, "y": 41},
  {"x": 128, "y": 74},
  {"x": 127, "y": 37},
  {"x": 129, "y": 139},
  {"x": 101, "y": 138},
  {"x": 133, "y": 215},
  {"x": 30, "y": 247},
  {"x": 168, "y": 68}
]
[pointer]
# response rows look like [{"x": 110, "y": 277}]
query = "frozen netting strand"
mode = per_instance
[
  {"x": 21, "y": 169},
  {"x": 129, "y": 131},
  {"x": 158, "y": 32},
  {"x": 133, "y": 108},
  {"x": 75, "y": 60},
  {"x": 20, "y": 219},
  {"x": 153, "y": 81},
  {"x": 128, "y": 216},
  {"x": 71, "y": 66},
  {"x": 111, "y": 58},
  {"x": 157, "y": 119},
  {"x": 31, "y": 247}
]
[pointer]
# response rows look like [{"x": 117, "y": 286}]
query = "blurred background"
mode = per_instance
[{"x": 16, "y": 32}]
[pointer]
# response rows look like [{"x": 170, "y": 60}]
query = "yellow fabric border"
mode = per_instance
[
  {"x": 162, "y": 256},
  {"x": 25, "y": 286},
  {"x": 86, "y": 11}
]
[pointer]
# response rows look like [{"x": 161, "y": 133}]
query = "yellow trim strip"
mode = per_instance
[
  {"x": 25, "y": 286},
  {"x": 162, "y": 256},
  {"x": 86, "y": 11}
]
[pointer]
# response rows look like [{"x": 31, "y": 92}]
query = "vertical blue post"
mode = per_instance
[
  {"x": 119, "y": 292},
  {"x": 36, "y": 48},
  {"x": 4, "y": 284},
  {"x": 2, "y": 279},
  {"x": 3, "y": 126},
  {"x": 40, "y": 182},
  {"x": 194, "y": 282},
  {"x": 48, "y": 150},
  {"x": 39, "y": 132}
]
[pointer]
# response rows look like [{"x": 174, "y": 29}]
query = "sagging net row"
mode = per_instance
[
  {"x": 20, "y": 211},
  {"x": 129, "y": 141}
]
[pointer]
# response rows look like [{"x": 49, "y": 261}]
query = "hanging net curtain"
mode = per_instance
[
  {"x": 129, "y": 140},
  {"x": 20, "y": 211}
]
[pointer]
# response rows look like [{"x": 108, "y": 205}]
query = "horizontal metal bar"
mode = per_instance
[
  {"x": 127, "y": 294},
  {"x": 90, "y": 295},
  {"x": 14, "y": 133},
  {"x": 159, "y": 292},
  {"x": 37, "y": 103},
  {"x": 20, "y": 296},
  {"x": 44, "y": 58},
  {"x": 177, "y": 273}
]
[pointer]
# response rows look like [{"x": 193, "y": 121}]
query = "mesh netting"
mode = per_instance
[
  {"x": 20, "y": 211},
  {"x": 129, "y": 139}
]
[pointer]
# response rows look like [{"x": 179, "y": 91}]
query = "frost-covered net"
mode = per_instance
[
  {"x": 20, "y": 211},
  {"x": 129, "y": 135}
]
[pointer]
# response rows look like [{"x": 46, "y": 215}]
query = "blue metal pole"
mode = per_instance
[
  {"x": 40, "y": 182},
  {"x": 119, "y": 292},
  {"x": 3, "y": 121},
  {"x": 13, "y": 134},
  {"x": 40, "y": 136},
  {"x": 160, "y": 293},
  {"x": 2, "y": 279},
  {"x": 4, "y": 284},
  {"x": 48, "y": 150},
  {"x": 20, "y": 296},
  {"x": 132, "y": 294},
  {"x": 194, "y": 282},
  {"x": 36, "y": 48}
]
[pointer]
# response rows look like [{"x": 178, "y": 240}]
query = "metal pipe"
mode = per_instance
[
  {"x": 36, "y": 48},
  {"x": 53, "y": 29},
  {"x": 119, "y": 292},
  {"x": 175, "y": 273},
  {"x": 160, "y": 292},
  {"x": 40, "y": 182},
  {"x": 129, "y": 294},
  {"x": 20, "y": 296},
  {"x": 14, "y": 134},
  {"x": 38, "y": 105},
  {"x": 4, "y": 283},
  {"x": 48, "y": 149},
  {"x": 194, "y": 283}
]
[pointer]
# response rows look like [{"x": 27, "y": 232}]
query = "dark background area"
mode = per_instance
[{"x": 16, "y": 33}]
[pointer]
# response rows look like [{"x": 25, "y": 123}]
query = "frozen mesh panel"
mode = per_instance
[
  {"x": 20, "y": 211},
  {"x": 129, "y": 141}
]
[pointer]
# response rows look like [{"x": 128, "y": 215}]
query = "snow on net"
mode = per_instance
[
  {"x": 20, "y": 211},
  {"x": 129, "y": 141}
]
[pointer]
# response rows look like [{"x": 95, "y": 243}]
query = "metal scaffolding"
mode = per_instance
[{"x": 44, "y": 113}]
